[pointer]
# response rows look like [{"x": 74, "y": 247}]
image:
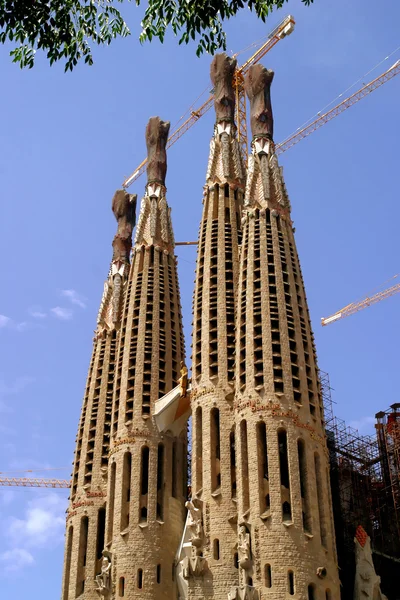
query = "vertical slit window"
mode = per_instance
[
  {"x": 290, "y": 583},
  {"x": 83, "y": 538},
  {"x": 245, "y": 465},
  {"x": 263, "y": 467},
  {"x": 284, "y": 473},
  {"x": 174, "y": 482},
  {"x": 144, "y": 484},
  {"x": 68, "y": 563},
  {"x": 320, "y": 498},
  {"x": 140, "y": 579},
  {"x": 305, "y": 497},
  {"x": 111, "y": 503},
  {"x": 101, "y": 524},
  {"x": 158, "y": 573},
  {"x": 311, "y": 592},
  {"x": 267, "y": 576},
  {"x": 121, "y": 587},
  {"x": 160, "y": 482},
  {"x": 328, "y": 595},
  {"x": 233, "y": 463},
  {"x": 216, "y": 549},
  {"x": 199, "y": 449},
  {"x": 215, "y": 450},
  {"x": 126, "y": 490}
]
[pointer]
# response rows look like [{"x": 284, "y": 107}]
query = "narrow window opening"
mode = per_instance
[
  {"x": 126, "y": 490},
  {"x": 304, "y": 486},
  {"x": 101, "y": 524},
  {"x": 320, "y": 499},
  {"x": 215, "y": 451},
  {"x": 111, "y": 503},
  {"x": 144, "y": 484},
  {"x": 267, "y": 576},
  {"x": 140, "y": 579},
  {"x": 83, "y": 538},
  {"x": 158, "y": 573},
  {"x": 233, "y": 463},
  {"x": 236, "y": 560},
  {"x": 328, "y": 595},
  {"x": 284, "y": 472},
  {"x": 263, "y": 480},
  {"x": 291, "y": 583},
  {"x": 173, "y": 572},
  {"x": 245, "y": 465},
  {"x": 311, "y": 592},
  {"x": 160, "y": 482},
  {"x": 121, "y": 587},
  {"x": 174, "y": 482},
  {"x": 68, "y": 563},
  {"x": 199, "y": 449},
  {"x": 216, "y": 549}
]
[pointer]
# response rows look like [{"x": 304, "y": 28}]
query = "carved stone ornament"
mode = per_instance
[
  {"x": 243, "y": 592},
  {"x": 258, "y": 89},
  {"x": 103, "y": 579},
  {"x": 124, "y": 209},
  {"x": 367, "y": 583},
  {"x": 244, "y": 548},
  {"x": 156, "y": 140},
  {"x": 183, "y": 379},
  {"x": 195, "y": 524},
  {"x": 221, "y": 73},
  {"x": 193, "y": 566}
]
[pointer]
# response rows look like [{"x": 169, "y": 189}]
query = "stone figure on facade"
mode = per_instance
[
  {"x": 103, "y": 579},
  {"x": 156, "y": 141},
  {"x": 221, "y": 72},
  {"x": 244, "y": 548},
  {"x": 183, "y": 379},
  {"x": 367, "y": 583},
  {"x": 258, "y": 89},
  {"x": 194, "y": 564},
  {"x": 195, "y": 524}
]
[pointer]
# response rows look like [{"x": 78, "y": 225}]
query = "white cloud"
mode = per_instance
[
  {"x": 65, "y": 314},
  {"x": 42, "y": 525},
  {"x": 37, "y": 313},
  {"x": 15, "y": 559},
  {"x": 4, "y": 321},
  {"x": 74, "y": 297}
]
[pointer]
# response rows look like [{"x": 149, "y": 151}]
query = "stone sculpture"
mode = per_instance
[
  {"x": 156, "y": 141},
  {"x": 221, "y": 72},
  {"x": 258, "y": 89},
  {"x": 367, "y": 583},
  {"x": 183, "y": 379},
  {"x": 244, "y": 548},
  {"x": 103, "y": 579},
  {"x": 195, "y": 524},
  {"x": 124, "y": 209},
  {"x": 196, "y": 563}
]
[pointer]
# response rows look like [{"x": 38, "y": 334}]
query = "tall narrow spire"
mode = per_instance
[
  {"x": 213, "y": 449},
  {"x": 284, "y": 508},
  {"x": 86, "y": 512}
]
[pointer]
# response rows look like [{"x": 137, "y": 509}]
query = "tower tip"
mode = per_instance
[
  {"x": 221, "y": 73},
  {"x": 258, "y": 89},
  {"x": 156, "y": 141}
]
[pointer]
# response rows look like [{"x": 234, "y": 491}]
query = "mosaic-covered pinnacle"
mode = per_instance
[
  {"x": 124, "y": 209},
  {"x": 258, "y": 89},
  {"x": 221, "y": 72},
  {"x": 156, "y": 141}
]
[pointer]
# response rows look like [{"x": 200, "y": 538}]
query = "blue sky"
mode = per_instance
[{"x": 66, "y": 144}]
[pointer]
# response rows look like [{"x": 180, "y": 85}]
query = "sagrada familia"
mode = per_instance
[{"x": 255, "y": 520}]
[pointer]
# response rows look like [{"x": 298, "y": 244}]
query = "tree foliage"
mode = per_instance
[{"x": 64, "y": 29}]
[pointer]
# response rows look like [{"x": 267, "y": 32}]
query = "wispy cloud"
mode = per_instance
[
  {"x": 74, "y": 297},
  {"x": 42, "y": 525},
  {"x": 15, "y": 559},
  {"x": 4, "y": 321},
  {"x": 65, "y": 314},
  {"x": 37, "y": 313}
]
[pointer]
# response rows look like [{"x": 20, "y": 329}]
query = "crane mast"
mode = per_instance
[{"x": 34, "y": 482}]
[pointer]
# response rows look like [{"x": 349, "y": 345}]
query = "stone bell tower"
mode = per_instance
[
  {"x": 213, "y": 365},
  {"x": 285, "y": 526}
]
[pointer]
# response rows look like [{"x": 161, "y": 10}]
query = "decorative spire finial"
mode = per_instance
[
  {"x": 156, "y": 141},
  {"x": 221, "y": 73},
  {"x": 258, "y": 89},
  {"x": 124, "y": 209}
]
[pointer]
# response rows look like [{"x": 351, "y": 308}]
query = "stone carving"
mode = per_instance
[
  {"x": 195, "y": 564},
  {"x": 367, "y": 583},
  {"x": 156, "y": 140},
  {"x": 244, "y": 548},
  {"x": 195, "y": 524},
  {"x": 124, "y": 208},
  {"x": 221, "y": 72},
  {"x": 103, "y": 579},
  {"x": 243, "y": 592},
  {"x": 321, "y": 572},
  {"x": 257, "y": 85},
  {"x": 183, "y": 381}
]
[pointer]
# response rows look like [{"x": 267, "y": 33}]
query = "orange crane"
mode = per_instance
[
  {"x": 34, "y": 482},
  {"x": 354, "y": 307},
  {"x": 282, "y": 30}
]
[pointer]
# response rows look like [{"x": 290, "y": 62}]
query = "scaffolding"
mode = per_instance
[{"x": 365, "y": 484}]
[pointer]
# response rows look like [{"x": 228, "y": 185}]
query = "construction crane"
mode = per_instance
[
  {"x": 282, "y": 30},
  {"x": 26, "y": 482},
  {"x": 354, "y": 307}
]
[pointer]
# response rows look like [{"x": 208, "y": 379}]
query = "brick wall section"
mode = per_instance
[{"x": 287, "y": 511}]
